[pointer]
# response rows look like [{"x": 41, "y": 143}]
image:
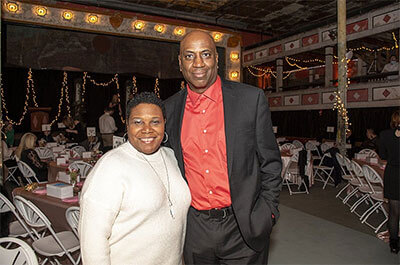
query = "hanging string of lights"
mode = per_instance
[
  {"x": 134, "y": 86},
  {"x": 64, "y": 86},
  {"x": 339, "y": 102},
  {"x": 31, "y": 85},
  {"x": 4, "y": 105},
  {"x": 157, "y": 88},
  {"x": 67, "y": 93}
]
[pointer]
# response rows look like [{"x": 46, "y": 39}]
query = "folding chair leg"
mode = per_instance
[
  {"x": 343, "y": 189},
  {"x": 351, "y": 194},
  {"x": 357, "y": 203}
]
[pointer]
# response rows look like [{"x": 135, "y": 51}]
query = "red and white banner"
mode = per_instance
[
  {"x": 261, "y": 54},
  {"x": 328, "y": 98},
  {"x": 357, "y": 95},
  {"x": 292, "y": 45},
  {"x": 310, "y": 40},
  {"x": 357, "y": 27},
  {"x": 292, "y": 100},
  {"x": 275, "y": 101},
  {"x": 310, "y": 99},
  {"x": 248, "y": 57},
  {"x": 385, "y": 93},
  {"x": 275, "y": 50},
  {"x": 386, "y": 18}
]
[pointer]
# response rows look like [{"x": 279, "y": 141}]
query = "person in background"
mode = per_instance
[
  {"x": 221, "y": 132},
  {"x": 115, "y": 105},
  {"x": 389, "y": 149},
  {"x": 134, "y": 202},
  {"x": 107, "y": 127},
  {"x": 392, "y": 66},
  {"x": 9, "y": 132},
  {"x": 92, "y": 144},
  {"x": 371, "y": 142},
  {"x": 75, "y": 131},
  {"x": 26, "y": 153},
  {"x": 47, "y": 137}
]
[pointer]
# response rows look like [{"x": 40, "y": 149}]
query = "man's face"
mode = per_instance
[{"x": 198, "y": 61}]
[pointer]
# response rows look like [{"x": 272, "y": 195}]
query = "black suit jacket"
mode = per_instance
[{"x": 253, "y": 158}]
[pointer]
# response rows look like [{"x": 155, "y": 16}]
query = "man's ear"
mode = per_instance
[{"x": 180, "y": 62}]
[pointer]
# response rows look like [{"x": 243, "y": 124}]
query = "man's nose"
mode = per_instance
[{"x": 198, "y": 62}]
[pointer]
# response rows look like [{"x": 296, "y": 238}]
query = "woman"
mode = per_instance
[
  {"x": 389, "y": 150},
  {"x": 75, "y": 131},
  {"x": 134, "y": 201},
  {"x": 26, "y": 153}
]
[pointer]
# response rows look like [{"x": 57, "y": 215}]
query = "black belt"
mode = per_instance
[{"x": 217, "y": 213}]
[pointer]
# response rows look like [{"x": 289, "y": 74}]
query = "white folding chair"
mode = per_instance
[
  {"x": 72, "y": 153},
  {"x": 292, "y": 177},
  {"x": 298, "y": 144},
  {"x": 287, "y": 146},
  {"x": 28, "y": 172},
  {"x": 83, "y": 167},
  {"x": 11, "y": 172},
  {"x": 347, "y": 175},
  {"x": 79, "y": 149},
  {"x": 17, "y": 228},
  {"x": 323, "y": 173},
  {"x": 310, "y": 146},
  {"x": 51, "y": 246},
  {"x": 325, "y": 147},
  {"x": 72, "y": 216},
  {"x": 368, "y": 152},
  {"x": 377, "y": 196},
  {"x": 20, "y": 253},
  {"x": 44, "y": 152}
]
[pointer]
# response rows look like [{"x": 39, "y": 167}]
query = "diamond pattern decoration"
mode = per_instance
[
  {"x": 386, "y": 93},
  {"x": 291, "y": 100},
  {"x": 310, "y": 99},
  {"x": 387, "y": 18},
  {"x": 356, "y": 27},
  {"x": 356, "y": 95},
  {"x": 331, "y": 97}
]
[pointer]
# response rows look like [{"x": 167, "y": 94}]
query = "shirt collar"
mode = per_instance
[{"x": 213, "y": 92}]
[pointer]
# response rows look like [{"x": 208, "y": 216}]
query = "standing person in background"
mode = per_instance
[
  {"x": 392, "y": 66},
  {"x": 389, "y": 150},
  {"x": 107, "y": 127},
  {"x": 372, "y": 140},
  {"x": 115, "y": 105},
  {"x": 9, "y": 131},
  {"x": 75, "y": 131},
  {"x": 221, "y": 133}
]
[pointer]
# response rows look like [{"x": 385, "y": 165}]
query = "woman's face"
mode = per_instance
[{"x": 146, "y": 128}]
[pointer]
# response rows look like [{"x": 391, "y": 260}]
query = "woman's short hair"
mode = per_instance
[
  {"x": 28, "y": 141},
  {"x": 144, "y": 97},
  {"x": 395, "y": 121}
]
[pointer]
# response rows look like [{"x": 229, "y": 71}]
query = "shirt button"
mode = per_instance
[
  {"x": 207, "y": 171},
  {"x": 210, "y": 192},
  {"x": 204, "y": 131},
  {"x": 203, "y": 111},
  {"x": 206, "y": 151}
]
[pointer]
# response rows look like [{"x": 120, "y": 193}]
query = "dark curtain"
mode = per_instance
[
  {"x": 48, "y": 83},
  {"x": 314, "y": 123}
]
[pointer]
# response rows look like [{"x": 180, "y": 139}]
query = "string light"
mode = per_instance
[
  {"x": 67, "y": 94},
  {"x": 84, "y": 87},
  {"x": 63, "y": 85},
  {"x": 338, "y": 103},
  {"x": 31, "y": 86},
  {"x": 395, "y": 41},
  {"x": 157, "y": 88},
  {"x": 134, "y": 86}
]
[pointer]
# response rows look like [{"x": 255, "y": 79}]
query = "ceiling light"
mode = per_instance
[
  {"x": 67, "y": 15},
  {"x": 234, "y": 75},
  {"x": 179, "y": 31},
  {"x": 92, "y": 19},
  {"x": 160, "y": 28},
  {"x": 234, "y": 56},
  {"x": 217, "y": 36},
  {"x": 139, "y": 25},
  {"x": 12, "y": 7},
  {"x": 41, "y": 11}
]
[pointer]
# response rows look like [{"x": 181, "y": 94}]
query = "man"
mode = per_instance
[
  {"x": 392, "y": 66},
  {"x": 222, "y": 136},
  {"x": 107, "y": 127}
]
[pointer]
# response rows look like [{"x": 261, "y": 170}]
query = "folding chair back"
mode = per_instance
[
  {"x": 312, "y": 147},
  {"x": 72, "y": 153},
  {"x": 358, "y": 173},
  {"x": 372, "y": 177},
  {"x": 19, "y": 227},
  {"x": 33, "y": 216},
  {"x": 288, "y": 146},
  {"x": 79, "y": 149},
  {"x": 72, "y": 216},
  {"x": 368, "y": 152},
  {"x": 44, "y": 152},
  {"x": 22, "y": 254},
  {"x": 325, "y": 147},
  {"x": 298, "y": 144},
  {"x": 84, "y": 168},
  {"x": 27, "y": 172}
]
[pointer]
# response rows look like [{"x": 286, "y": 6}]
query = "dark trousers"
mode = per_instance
[{"x": 218, "y": 241}]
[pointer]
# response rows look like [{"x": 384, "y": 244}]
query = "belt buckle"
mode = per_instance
[{"x": 216, "y": 213}]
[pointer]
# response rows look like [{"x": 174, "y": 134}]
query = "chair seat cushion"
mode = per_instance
[{"x": 48, "y": 246}]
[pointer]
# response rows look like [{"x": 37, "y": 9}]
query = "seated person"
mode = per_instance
[
  {"x": 392, "y": 66},
  {"x": 371, "y": 142},
  {"x": 75, "y": 131},
  {"x": 92, "y": 144},
  {"x": 8, "y": 154},
  {"x": 9, "y": 132},
  {"x": 47, "y": 137},
  {"x": 26, "y": 153}
]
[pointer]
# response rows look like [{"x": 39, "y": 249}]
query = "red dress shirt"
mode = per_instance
[{"x": 204, "y": 148}]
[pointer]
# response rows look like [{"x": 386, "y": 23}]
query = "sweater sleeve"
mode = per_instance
[{"x": 99, "y": 207}]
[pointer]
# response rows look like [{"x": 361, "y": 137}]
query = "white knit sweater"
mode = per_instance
[{"x": 124, "y": 213}]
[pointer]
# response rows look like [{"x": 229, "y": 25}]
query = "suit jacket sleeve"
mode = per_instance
[{"x": 269, "y": 156}]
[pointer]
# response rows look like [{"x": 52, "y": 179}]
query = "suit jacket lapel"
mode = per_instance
[
  {"x": 179, "y": 110},
  {"x": 230, "y": 108}
]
